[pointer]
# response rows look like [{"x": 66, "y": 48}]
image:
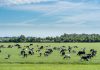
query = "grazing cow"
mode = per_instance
[
  {"x": 50, "y": 50},
  {"x": 85, "y": 58},
  {"x": 2, "y": 46},
  {"x": 89, "y": 56},
  {"x": 31, "y": 44},
  {"x": 69, "y": 49},
  {"x": 47, "y": 52},
  {"x": 63, "y": 53},
  {"x": 30, "y": 52},
  {"x": 25, "y": 55},
  {"x": 55, "y": 48},
  {"x": 40, "y": 53},
  {"x": 18, "y": 46},
  {"x": 27, "y": 46},
  {"x": 81, "y": 53},
  {"x": 41, "y": 47},
  {"x": 93, "y": 52},
  {"x": 9, "y": 46},
  {"x": 22, "y": 52},
  {"x": 62, "y": 50},
  {"x": 66, "y": 56}
]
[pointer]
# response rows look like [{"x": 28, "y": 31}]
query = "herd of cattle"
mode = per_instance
[{"x": 64, "y": 51}]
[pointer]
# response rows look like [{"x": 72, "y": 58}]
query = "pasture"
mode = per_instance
[
  {"x": 52, "y": 62},
  {"x": 54, "y": 58},
  {"x": 48, "y": 67}
]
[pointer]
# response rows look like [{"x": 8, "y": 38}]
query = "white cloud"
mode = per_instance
[
  {"x": 83, "y": 19},
  {"x": 52, "y": 7},
  {"x": 20, "y": 2},
  {"x": 86, "y": 12}
]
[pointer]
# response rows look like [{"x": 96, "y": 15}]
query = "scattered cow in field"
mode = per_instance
[
  {"x": 63, "y": 53},
  {"x": 17, "y": 45},
  {"x": 27, "y": 46},
  {"x": 66, "y": 56},
  {"x": 30, "y": 52},
  {"x": 85, "y": 58},
  {"x": 10, "y": 46},
  {"x": 2, "y": 46},
  {"x": 31, "y": 44},
  {"x": 55, "y": 48},
  {"x": 81, "y": 53},
  {"x": 90, "y": 55},
  {"x": 23, "y": 53},
  {"x": 41, "y": 47},
  {"x": 40, "y": 53},
  {"x": 69, "y": 49},
  {"x": 62, "y": 50},
  {"x": 47, "y": 52},
  {"x": 93, "y": 52}
]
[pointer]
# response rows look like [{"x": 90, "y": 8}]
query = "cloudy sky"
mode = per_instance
[{"x": 49, "y": 17}]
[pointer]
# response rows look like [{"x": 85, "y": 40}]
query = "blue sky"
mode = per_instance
[{"x": 49, "y": 17}]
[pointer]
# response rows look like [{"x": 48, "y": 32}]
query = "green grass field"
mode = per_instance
[
  {"x": 52, "y": 62},
  {"x": 47, "y": 67},
  {"x": 55, "y": 57}
]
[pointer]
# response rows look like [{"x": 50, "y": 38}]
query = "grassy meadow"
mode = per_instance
[
  {"x": 54, "y": 58},
  {"x": 48, "y": 67},
  {"x": 53, "y": 62}
]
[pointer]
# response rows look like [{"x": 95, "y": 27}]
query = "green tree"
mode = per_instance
[{"x": 22, "y": 38}]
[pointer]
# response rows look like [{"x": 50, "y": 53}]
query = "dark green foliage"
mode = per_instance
[
  {"x": 22, "y": 38},
  {"x": 62, "y": 38}
]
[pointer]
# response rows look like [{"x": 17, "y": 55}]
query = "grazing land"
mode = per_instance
[
  {"x": 54, "y": 57},
  {"x": 54, "y": 61},
  {"x": 48, "y": 67}
]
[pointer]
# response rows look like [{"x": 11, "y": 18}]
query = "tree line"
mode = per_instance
[{"x": 61, "y": 39}]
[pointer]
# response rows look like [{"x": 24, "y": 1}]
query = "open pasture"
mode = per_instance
[
  {"x": 48, "y": 67},
  {"x": 54, "y": 58}
]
